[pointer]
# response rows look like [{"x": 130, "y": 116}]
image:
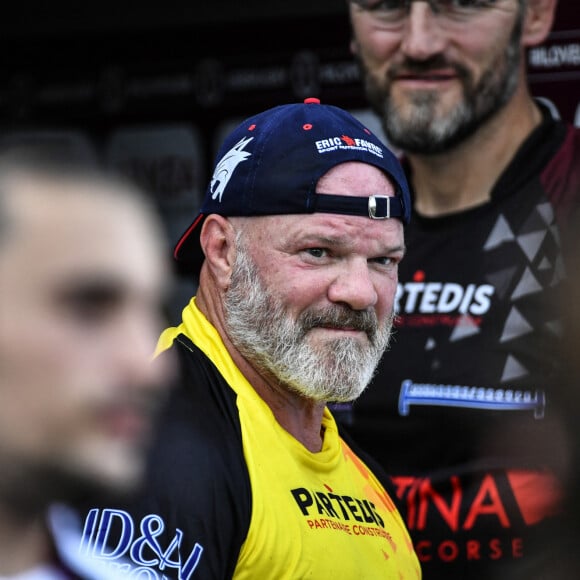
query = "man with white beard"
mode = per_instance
[{"x": 297, "y": 247}]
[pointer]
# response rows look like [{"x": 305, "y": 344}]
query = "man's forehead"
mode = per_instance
[
  {"x": 83, "y": 229},
  {"x": 337, "y": 228}
]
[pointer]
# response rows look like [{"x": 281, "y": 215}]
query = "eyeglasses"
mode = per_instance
[{"x": 393, "y": 13}]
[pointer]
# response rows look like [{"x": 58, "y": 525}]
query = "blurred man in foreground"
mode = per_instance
[{"x": 82, "y": 281}]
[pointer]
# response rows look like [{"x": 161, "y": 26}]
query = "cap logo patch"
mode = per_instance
[
  {"x": 346, "y": 142},
  {"x": 226, "y": 166}
]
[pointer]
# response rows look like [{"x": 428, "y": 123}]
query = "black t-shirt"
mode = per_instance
[{"x": 460, "y": 412}]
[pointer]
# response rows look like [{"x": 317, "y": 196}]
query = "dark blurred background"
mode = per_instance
[{"x": 151, "y": 87}]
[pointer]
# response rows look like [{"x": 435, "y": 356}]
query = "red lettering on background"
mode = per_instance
[
  {"x": 429, "y": 320},
  {"x": 402, "y": 484},
  {"x": 495, "y": 550},
  {"x": 422, "y": 551},
  {"x": 487, "y": 491},
  {"x": 412, "y": 506},
  {"x": 472, "y": 550},
  {"x": 450, "y": 513},
  {"x": 408, "y": 485},
  {"x": 518, "y": 548},
  {"x": 421, "y": 496},
  {"x": 448, "y": 551}
]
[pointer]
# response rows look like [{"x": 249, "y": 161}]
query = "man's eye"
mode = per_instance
[
  {"x": 468, "y": 3},
  {"x": 384, "y": 261},
  {"x": 400, "y": 5},
  {"x": 91, "y": 308},
  {"x": 89, "y": 304},
  {"x": 317, "y": 252}
]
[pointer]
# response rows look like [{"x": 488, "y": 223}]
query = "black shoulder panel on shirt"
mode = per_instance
[{"x": 201, "y": 483}]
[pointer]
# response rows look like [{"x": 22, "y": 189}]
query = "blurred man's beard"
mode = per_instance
[
  {"x": 260, "y": 327},
  {"x": 33, "y": 486},
  {"x": 419, "y": 127}
]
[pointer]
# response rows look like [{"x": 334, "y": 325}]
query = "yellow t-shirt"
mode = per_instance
[{"x": 313, "y": 515}]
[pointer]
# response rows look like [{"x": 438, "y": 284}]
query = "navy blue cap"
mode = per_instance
[{"x": 271, "y": 162}]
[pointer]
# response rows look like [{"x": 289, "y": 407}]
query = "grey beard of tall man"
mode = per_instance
[
  {"x": 261, "y": 329},
  {"x": 417, "y": 127}
]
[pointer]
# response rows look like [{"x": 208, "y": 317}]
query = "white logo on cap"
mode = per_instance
[
  {"x": 345, "y": 142},
  {"x": 226, "y": 166}
]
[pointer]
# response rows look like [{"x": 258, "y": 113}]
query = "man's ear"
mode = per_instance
[
  {"x": 538, "y": 21},
  {"x": 217, "y": 238}
]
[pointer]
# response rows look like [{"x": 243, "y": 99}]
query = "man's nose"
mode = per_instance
[
  {"x": 353, "y": 285},
  {"x": 422, "y": 33}
]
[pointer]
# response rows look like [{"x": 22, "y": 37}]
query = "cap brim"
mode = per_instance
[{"x": 188, "y": 249}]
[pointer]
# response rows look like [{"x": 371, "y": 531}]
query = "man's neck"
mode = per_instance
[
  {"x": 302, "y": 418},
  {"x": 464, "y": 176}
]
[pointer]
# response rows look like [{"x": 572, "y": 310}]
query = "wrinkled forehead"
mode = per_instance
[{"x": 318, "y": 229}]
